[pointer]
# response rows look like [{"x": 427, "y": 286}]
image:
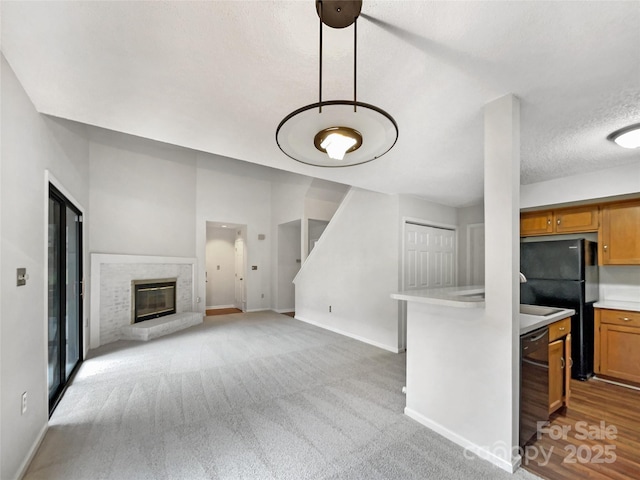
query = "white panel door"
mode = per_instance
[{"x": 430, "y": 257}]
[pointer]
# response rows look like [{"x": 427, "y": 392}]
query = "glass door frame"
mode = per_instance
[{"x": 65, "y": 377}]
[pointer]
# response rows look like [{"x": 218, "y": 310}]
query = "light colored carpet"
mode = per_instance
[{"x": 257, "y": 396}]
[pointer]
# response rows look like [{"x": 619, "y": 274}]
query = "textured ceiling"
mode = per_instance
[{"x": 219, "y": 76}]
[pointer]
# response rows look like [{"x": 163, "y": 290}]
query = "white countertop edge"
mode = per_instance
[
  {"x": 529, "y": 323},
  {"x": 618, "y": 305},
  {"x": 447, "y": 302},
  {"x": 459, "y": 297}
]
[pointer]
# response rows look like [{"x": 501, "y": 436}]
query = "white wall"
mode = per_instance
[
  {"x": 356, "y": 266},
  {"x": 601, "y": 184},
  {"x": 620, "y": 283},
  {"x": 353, "y": 269},
  {"x": 319, "y": 205},
  {"x": 31, "y": 143},
  {"x": 142, "y": 195},
  {"x": 237, "y": 192},
  {"x": 289, "y": 263},
  {"x": 220, "y": 269},
  {"x": 288, "y": 192}
]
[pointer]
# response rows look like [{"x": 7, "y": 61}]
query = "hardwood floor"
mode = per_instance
[
  {"x": 601, "y": 438},
  {"x": 222, "y": 311}
]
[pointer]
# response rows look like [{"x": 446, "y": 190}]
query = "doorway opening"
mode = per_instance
[
  {"x": 289, "y": 263},
  {"x": 64, "y": 302},
  {"x": 225, "y": 266}
]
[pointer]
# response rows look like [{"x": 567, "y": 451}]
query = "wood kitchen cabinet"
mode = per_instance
[
  {"x": 559, "y": 364},
  {"x": 617, "y": 344},
  {"x": 560, "y": 221},
  {"x": 619, "y": 234},
  {"x": 536, "y": 223}
]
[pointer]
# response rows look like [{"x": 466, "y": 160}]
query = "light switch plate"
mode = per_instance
[{"x": 21, "y": 277}]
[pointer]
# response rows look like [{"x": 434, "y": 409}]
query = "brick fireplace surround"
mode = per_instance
[{"x": 111, "y": 277}]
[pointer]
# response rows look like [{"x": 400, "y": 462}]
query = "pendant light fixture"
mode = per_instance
[{"x": 337, "y": 133}]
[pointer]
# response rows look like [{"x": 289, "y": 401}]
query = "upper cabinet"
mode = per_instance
[
  {"x": 564, "y": 220},
  {"x": 536, "y": 223},
  {"x": 617, "y": 224},
  {"x": 619, "y": 236}
]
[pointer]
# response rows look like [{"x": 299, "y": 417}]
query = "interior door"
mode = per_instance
[
  {"x": 64, "y": 293},
  {"x": 429, "y": 259},
  {"x": 239, "y": 275}
]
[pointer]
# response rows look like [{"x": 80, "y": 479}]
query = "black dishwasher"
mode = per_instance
[{"x": 534, "y": 382}]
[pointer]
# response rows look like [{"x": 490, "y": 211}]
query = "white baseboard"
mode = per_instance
[
  {"x": 219, "y": 307},
  {"x": 258, "y": 310},
  {"x": 481, "y": 452},
  {"x": 32, "y": 452},
  {"x": 612, "y": 382},
  {"x": 350, "y": 335}
]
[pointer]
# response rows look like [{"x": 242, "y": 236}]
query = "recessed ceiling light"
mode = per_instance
[
  {"x": 223, "y": 226},
  {"x": 627, "y": 137}
]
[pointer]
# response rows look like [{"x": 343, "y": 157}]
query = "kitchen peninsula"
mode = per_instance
[{"x": 450, "y": 359}]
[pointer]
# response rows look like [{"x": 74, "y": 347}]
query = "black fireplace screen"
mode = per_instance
[{"x": 153, "y": 299}]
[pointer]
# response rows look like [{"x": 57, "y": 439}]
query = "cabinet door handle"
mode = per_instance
[
  {"x": 558, "y": 222},
  {"x": 570, "y": 362},
  {"x": 605, "y": 248},
  {"x": 562, "y": 362},
  {"x": 624, "y": 319},
  {"x": 561, "y": 329},
  {"x": 548, "y": 221}
]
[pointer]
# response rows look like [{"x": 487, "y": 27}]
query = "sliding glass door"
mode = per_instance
[{"x": 65, "y": 293}]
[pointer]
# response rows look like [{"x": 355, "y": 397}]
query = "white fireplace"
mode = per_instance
[{"x": 113, "y": 280}]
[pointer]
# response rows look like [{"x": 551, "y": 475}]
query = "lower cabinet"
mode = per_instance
[
  {"x": 617, "y": 344},
  {"x": 559, "y": 364}
]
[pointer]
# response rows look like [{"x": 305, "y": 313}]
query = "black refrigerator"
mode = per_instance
[{"x": 564, "y": 273}]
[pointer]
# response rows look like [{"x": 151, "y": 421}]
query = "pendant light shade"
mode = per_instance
[
  {"x": 298, "y": 132},
  {"x": 337, "y": 133}
]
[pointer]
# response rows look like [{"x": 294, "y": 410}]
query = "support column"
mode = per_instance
[{"x": 502, "y": 234}]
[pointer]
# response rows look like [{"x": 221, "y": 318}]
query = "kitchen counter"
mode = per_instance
[
  {"x": 529, "y": 323},
  {"x": 463, "y": 297},
  {"x": 473, "y": 297},
  {"x": 618, "y": 305}
]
